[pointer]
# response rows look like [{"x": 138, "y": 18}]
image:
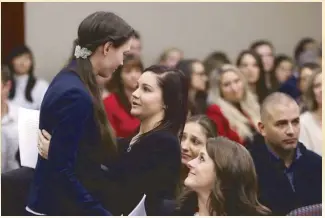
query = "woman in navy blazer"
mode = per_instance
[{"x": 71, "y": 111}]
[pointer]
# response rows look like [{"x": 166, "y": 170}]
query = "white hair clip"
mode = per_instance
[{"x": 81, "y": 52}]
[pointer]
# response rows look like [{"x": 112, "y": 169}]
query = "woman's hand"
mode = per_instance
[{"x": 44, "y": 139}]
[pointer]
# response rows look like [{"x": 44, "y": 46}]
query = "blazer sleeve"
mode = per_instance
[{"x": 72, "y": 111}]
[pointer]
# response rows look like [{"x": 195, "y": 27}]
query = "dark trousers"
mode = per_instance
[{"x": 14, "y": 191}]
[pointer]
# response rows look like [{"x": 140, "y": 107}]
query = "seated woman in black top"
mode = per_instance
[
  {"x": 150, "y": 162},
  {"x": 221, "y": 181}
]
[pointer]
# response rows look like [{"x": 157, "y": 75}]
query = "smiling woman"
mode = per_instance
[
  {"x": 118, "y": 103},
  {"x": 221, "y": 181}
]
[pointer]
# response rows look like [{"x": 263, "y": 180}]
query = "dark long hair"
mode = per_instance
[
  {"x": 300, "y": 47},
  {"x": 259, "y": 43},
  {"x": 16, "y": 52},
  {"x": 115, "y": 85},
  {"x": 94, "y": 31},
  {"x": 261, "y": 89},
  {"x": 199, "y": 105},
  {"x": 209, "y": 129},
  {"x": 174, "y": 86},
  {"x": 277, "y": 61},
  {"x": 214, "y": 61},
  {"x": 235, "y": 188}
]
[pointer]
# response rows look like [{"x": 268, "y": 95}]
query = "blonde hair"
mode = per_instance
[
  {"x": 248, "y": 104},
  {"x": 309, "y": 95},
  {"x": 166, "y": 52}
]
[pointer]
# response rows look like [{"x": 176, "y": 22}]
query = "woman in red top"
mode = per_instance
[
  {"x": 231, "y": 103},
  {"x": 117, "y": 104},
  {"x": 195, "y": 72}
]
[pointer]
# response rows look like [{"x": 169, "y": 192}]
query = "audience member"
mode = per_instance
[
  {"x": 198, "y": 129},
  {"x": 9, "y": 126},
  {"x": 311, "y": 120},
  {"x": 266, "y": 51},
  {"x": 282, "y": 70},
  {"x": 296, "y": 85},
  {"x": 250, "y": 64},
  {"x": 118, "y": 104},
  {"x": 26, "y": 90},
  {"x": 170, "y": 57},
  {"x": 289, "y": 175},
  {"x": 136, "y": 45},
  {"x": 230, "y": 94},
  {"x": 305, "y": 44},
  {"x": 195, "y": 72},
  {"x": 221, "y": 182},
  {"x": 214, "y": 61}
]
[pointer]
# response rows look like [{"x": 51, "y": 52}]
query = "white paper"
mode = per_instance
[
  {"x": 28, "y": 125},
  {"x": 140, "y": 209}
]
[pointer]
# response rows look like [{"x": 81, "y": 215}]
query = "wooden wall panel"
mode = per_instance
[{"x": 12, "y": 27}]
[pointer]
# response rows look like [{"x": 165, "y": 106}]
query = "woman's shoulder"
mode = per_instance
[
  {"x": 307, "y": 120},
  {"x": 42, "y": 83},
  {"x": 305, "y": 116},
  {"x": 40, "y": 88},
  {"x": 63, "y": 93},
  {"x": 67, "y": 81},
  {"x": 160, "y": 142},
  {"x": 111, "y": 100},
  {"x": 162, "y": 136},
  {"x": 214, "y": 108}
]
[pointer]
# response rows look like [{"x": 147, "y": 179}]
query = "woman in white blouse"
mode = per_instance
[
  {"x": 311, "y": 120},
  {"x": 26, "y": 91}
]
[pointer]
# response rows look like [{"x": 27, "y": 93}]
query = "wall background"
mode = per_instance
[{"x": 197, "y": 28}]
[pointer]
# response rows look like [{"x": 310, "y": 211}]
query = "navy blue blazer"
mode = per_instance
[{"x": 64, "y": 184}]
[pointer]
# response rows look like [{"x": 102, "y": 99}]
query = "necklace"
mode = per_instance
[
  {"x": 129, "y": 148},
  {"x": 133, "y": 140}
]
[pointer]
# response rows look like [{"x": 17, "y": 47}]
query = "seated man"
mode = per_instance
[{"x": 289, "y": 175}]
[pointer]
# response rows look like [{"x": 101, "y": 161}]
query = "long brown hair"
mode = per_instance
[
  {"x": 197, "y": 105},
  {"x": 94, "y": 31},
  {"x": 210, "y": 130},
  {"x": 208, "y": 127},
  {"x": 235, "y": 188},
  {"x": 261, "y": 88},
  {"x": 310, "y": 98},
  {"x": 116, "y": 85},
  {"x": 174, "y": 86},
  {"x": 16, "y": 52}
]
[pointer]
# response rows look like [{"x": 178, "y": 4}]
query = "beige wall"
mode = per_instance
[{"x": 197, "y": 28}]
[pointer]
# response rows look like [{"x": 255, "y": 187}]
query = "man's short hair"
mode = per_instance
[{"x": 274, "y": 99}]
